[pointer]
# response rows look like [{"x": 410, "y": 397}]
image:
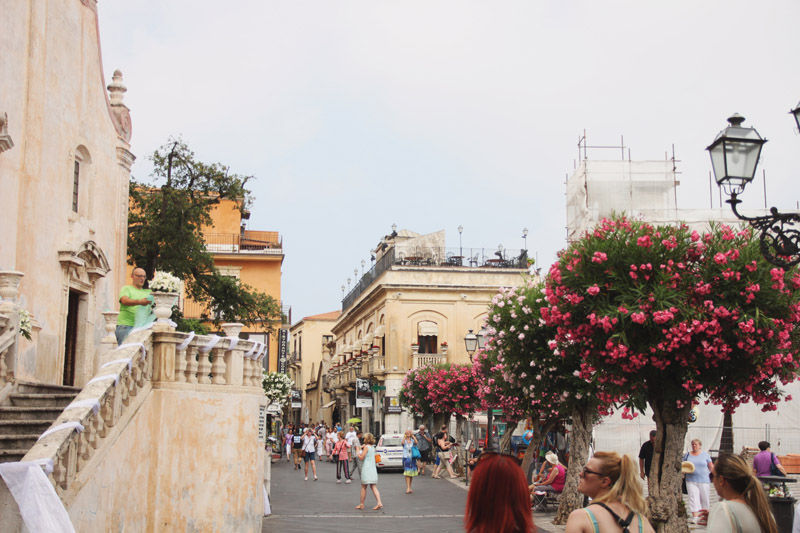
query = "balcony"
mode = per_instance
[
  {"x": 377, "y": 365},
  {"x": 427, "y": 359},
  {"x": 438, "y": 258},
  {"x": 248, "y": 242}
]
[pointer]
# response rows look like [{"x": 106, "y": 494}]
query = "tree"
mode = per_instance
[
  {"x": 525, "y": 372},
  {"x": 443, "y": 390},
  {"x": 165, "y": 225},
  {"x": 663, "y": 316}
]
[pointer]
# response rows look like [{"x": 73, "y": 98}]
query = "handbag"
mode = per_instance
[
  {"x": 773, "y": 468},
  {"x": 415, "y": 453},
  {"x": 302, "y": 453},
  {"x": 377, "y": 458}
]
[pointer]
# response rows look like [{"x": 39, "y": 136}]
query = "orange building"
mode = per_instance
[{"x": 254, "y": 258}]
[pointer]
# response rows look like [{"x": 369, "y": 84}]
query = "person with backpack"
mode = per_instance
[
  {"x": 297, "y": 448},
  {"x": 765, "y": 463}
]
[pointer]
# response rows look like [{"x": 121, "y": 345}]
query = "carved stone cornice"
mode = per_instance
[{"x": 5, "y": 139}]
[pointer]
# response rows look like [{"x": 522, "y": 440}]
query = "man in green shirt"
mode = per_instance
[{"x": 131, "y": 296}]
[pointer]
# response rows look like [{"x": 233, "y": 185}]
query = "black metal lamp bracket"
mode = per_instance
[{"x": 779, "y": 234}]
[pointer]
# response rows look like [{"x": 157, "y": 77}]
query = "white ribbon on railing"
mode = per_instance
[
  {"x": 252, "y": 350},
  {"x": 262, "y": 352},
  {"x": 143, "y": 328},
  {"x": 234, "y": 342},
  {"x": 138, "y": 344},
  {"x": 91, "y": 402},
  {"x": 182, "y": 346},
  {"x": 66, "y": 425},
  {"x": 115, "y": 377},
  {"x": 39, "y": 506},
  {"x": 213, "y": 342},
  {"x": 115, "y": 361}
]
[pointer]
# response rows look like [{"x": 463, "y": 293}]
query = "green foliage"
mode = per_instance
[{"x": 165, "y": 221}]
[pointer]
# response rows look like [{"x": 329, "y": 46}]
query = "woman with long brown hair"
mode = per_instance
[
  {"x": 498, "y": 500},
  {"x": 745, "y": 507},
  {"x": 612, "y": 482}
]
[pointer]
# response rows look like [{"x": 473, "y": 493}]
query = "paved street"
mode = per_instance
[{"x": 435, "y": 505}]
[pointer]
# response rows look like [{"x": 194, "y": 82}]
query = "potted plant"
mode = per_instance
[
  {"x": 166, "y": 289},
  {"x": 443, "y": 346}
]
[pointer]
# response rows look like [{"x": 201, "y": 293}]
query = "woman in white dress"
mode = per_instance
[{"x": 744, "y": 508}]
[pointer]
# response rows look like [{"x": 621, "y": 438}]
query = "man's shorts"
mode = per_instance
[
  {"x": 296, "y": 454},
  {"x": 425, "y": 455},
  {"x": 310, "y": 456}
]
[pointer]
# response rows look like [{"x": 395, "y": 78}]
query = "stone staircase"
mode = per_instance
[{"x": 27, "y": 413}]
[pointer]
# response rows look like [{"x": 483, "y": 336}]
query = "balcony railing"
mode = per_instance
[
  {"x": 249, "y": 242},
  {"x": 426, "y": 359},
  {"x": 438, "y": 257},
  {"x": 377, "y": 365}
]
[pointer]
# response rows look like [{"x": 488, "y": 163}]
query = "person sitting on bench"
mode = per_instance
[{"x": 553, "y": 484}]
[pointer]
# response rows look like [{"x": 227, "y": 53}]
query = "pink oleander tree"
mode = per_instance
[
  {"x": 666, "y": 317},
  {"x": 442, "y": 390},
  {"x": 522, "y": 371}
]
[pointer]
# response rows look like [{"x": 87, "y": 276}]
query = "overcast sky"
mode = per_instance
[{"x": 354, "y": 115}]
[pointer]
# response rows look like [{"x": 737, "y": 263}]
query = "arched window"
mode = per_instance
[
  {"x": 427, "y": 335},
  {"x": 81, "y": 163}
]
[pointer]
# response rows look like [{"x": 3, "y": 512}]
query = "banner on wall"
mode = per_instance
[
  {"x": 297, "y": 399},
  {"x": 363, "y": 393},
  {"x": 283, "y": 350}
]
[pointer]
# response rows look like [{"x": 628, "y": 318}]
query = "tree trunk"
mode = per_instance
[
  {"x": 571, "y": 499},
  {"x": 540, "y": 429},
  {"x": 505, "y": 441},
  {"x": 460, "y": 430},
  {"x": 726, "y": 441},
  {"x": 666, "y": 510}
]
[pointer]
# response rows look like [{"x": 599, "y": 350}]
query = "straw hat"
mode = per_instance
[
  {"x": 551, "y": 458},
  {"x": 687, "y": 467}
]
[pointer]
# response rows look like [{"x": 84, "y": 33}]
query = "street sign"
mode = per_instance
[
  {"x": 376, "y": 388},
  {"x": 262, "y": 423}
]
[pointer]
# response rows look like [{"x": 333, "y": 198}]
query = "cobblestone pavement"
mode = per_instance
[{"x": 435, "y": 505}]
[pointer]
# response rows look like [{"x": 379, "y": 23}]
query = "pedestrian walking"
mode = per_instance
[
  {"x": 646, "y": 455},
  {"x": 329, "y": 443},
  {"x": 745, "y": 503},
  {"x": 497, "y": 501},
  {"x": 698, "y": 482},
  {"x": 297, "y": 449},
  {"x": 342, "y": 459},
  {"x": 410, "y": 470},
  {"x": 287, "y": 442},
  {"x": 321, "y": 433},
  {"x": 425, "y": 444},
  {"x": 617, "y": 500},
  {"x": 356, "y": 446},
  {"x": 369, "y": 473},
  {"x": 310, "y": 452},
  {"x": 445, "y": 444}
]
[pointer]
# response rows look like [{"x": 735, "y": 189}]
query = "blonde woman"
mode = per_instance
[
  {"x": 409, "y": 462},
  {"x": 744, "y": 505},
  {"x": 697, "y": 482},
  {"x": 369, "y": 472},
  {"x": 612, "y": 482}
]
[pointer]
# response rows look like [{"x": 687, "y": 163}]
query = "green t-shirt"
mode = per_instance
[{"x": 127, "y": 313}]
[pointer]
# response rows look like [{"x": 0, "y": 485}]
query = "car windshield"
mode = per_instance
[{"x": 390, "y": 441}]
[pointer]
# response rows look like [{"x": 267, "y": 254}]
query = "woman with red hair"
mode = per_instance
[{"x": 498, "y": 499}]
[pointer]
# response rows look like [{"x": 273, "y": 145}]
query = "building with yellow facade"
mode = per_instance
[
  {"x": 412, "y": 308},
  {"x": 311, "y": 345},
  {"x": 254, "y": 258}
]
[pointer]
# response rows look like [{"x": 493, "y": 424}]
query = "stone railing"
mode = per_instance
[
  {"x": 377, "y": 365},
  {"x": 9, "y": 324},
  {"x": 110, "y": 399},
  {"x": 426, "y": 359}
]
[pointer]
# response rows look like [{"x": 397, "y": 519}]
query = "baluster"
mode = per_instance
[
  {"x": 83, "y": 447},
  {"x": 180, "y": 365},
  {"x": 191, "y": 364},
  {"x": 251, "y": 372},
  {"x": 218, "y": 367},
  {"x": 203, "y": 368}
]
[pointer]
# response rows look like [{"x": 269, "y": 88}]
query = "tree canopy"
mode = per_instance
[{"x": 165, "y": 222}]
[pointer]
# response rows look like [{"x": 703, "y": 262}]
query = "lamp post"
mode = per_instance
[
  {"x": 348, "y": 284},
  {"x": 460, "y": 249},
  {"x": 473, "y": 342},
  {"x": 734, "y": 158},
  {"x": 342, "y": 292},
  {"x": 363, "y": 262},
  {"x": 525, "y": 237}
]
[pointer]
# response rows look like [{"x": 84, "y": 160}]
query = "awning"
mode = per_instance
[
  {"x": 367, "y": 340},
  {"x": 380, "y": 331},
  {"x": 428, "y": 329},
  {"x": 329, "y": 404}
]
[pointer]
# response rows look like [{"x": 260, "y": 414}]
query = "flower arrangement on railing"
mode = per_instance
[
  {"x": 165, "y": 282},
  {"x": 25, "y": 325},
  {"x": 444, "y": 344},
  {"x": 277, "y": 387}
]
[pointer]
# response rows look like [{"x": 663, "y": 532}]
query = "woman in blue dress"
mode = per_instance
[
  {"x": 369, "y": 472},
  {"x": 409, "y": 461}
]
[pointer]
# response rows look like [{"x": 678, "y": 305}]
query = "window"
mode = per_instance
[
  {"x": 76, "y": 177},
  {"x": 427, "y": 336}
]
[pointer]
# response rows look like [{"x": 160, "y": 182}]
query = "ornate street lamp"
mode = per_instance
[
  {"x": 734, "y": 158},
  {"x": 460, "y": 249},
  {"x": 471, "y": 342},
  {"x": 342, "y": 292},
  {"x": 482, "y": 338},
  {"x": 363, "y": 262},
  {"x": 525, "y": 237}
]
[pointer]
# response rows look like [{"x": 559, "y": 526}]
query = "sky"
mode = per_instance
[{"x": 356, "y": 115}]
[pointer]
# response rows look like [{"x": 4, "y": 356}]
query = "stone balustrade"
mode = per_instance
[
  {"x": 427, "y": 359},
  {"x": 9, "y": 337},
  {"x": 147, "y": 358},
  {"x": 377, "y": 365}
]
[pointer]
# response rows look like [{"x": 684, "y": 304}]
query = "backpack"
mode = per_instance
[{"x": 773, "y": 468}]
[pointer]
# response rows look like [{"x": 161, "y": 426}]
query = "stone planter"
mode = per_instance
[
  {"x": 232, "y": 329},
  {"x": 111, "y": 326},
  {"x": 443, "y": 350},
  {"x": 164, "y": 302},
  {"x": 415, "y": 349},
  {"x": 9, "y": 287}
]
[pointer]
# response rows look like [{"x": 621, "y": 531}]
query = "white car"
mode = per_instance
[{"x": 390, "y": 449}]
